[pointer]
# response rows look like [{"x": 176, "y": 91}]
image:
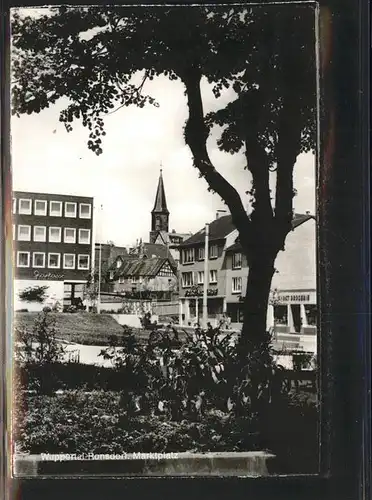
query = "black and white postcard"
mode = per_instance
[{"x": 164, "y": 221}]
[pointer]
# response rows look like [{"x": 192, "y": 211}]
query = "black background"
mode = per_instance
[{"x": 344, "y": 287}]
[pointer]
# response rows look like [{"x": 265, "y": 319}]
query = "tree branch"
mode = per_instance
[{"x": 196, "y": 135}]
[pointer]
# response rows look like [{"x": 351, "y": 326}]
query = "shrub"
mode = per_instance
[
  {"x": 76, "y": 422},
  {"x": 70, "y": 309},
  {"x": 47, "y": 309},
  {"x": 204, "y": 372},
  {"x": 34, "y": 294},
  {"x": 37, "y": 351}
]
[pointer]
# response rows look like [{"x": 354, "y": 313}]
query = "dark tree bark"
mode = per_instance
[{"x": 263, "y": 233}]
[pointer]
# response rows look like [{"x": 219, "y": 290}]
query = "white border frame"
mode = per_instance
[
  {"x": 60, "y": 234},
  {"x": 89, "y": 238},
  {"x": 28, "y": 256},
  {"x": 59, "y": 260},
  {"x": 60, "y": 208},
  {"x": 192, "y": 279},
  {"x": 90, "y": 211},
  {"x": 232, "y": 260},
  {"x": 64, "y": 235},
  {"x": 33, "y": 260},
  {"x": 45, "y": 210},
  {"x": 19, "y": 206},
  {"x": 74, "y": 260},
  {"x": 216, "y": 280},
  {"x": 18, "y": 232},
  {"x": 45, "y": 234},
  {"x": 75, "y": 212},
  {"x": 78, "y": 263},
  {"x": 233, "y": 290}
]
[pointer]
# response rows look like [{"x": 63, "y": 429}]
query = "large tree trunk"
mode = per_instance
[{"x": 261, "y": 271}]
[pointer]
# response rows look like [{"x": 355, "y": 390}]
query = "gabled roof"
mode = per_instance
[
  {"x": 140, "y": 267},
  {"x": 298, "y": 219},
  {"x": 150, "y": 250},
  {"x": 160, "y": 201},
  {"x": 218, "y": 230},
  {"x": 168, "y": 237}
]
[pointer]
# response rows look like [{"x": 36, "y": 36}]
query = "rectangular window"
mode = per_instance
[
  {"x": 121, "y": 279},
  {"x": 69, "y": 235},
  {"x": 40, "y": 207},
  {"x": 39, "y": 233},
  {"x": 85, "y": 211},
  {"x": 134, "y": 280},
  {"x": 111, "y": 275},
  {"x": 213, "y": 276},
  {"x": 188, "y": 256},
  {"x": 24, "y": 206},
  {"x": 55, "y": 209},
  {"x": 236, "y": 285},
  {"x": 70, "y": 209},
  {"x": 68, "y": 261},
  {"x": 201, "y": 253},
  {"x": 14, "y": 206},
  {"x": 54, "y": 260},
  {"x": 200, "y": 277},
  {"x": 84, "y": 236},
  {"x": 55, "y": 234},
  {"x": 118, "y": 263},
  {"x": 213, "y": 252},
  {"x": 187, "y": 279},
  {"x": 23, "y": 259},
  {"x": 83, "y": 261},
  {"x": 24, "y": 233},
  {"x": 237, "y": 260},
  {"x": 38, "y": 259}
]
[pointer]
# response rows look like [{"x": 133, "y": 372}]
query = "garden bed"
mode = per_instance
[{"x": 85, "y": 423}]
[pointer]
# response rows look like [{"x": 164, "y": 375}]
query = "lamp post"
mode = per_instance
[
  {"x": 99, "y": 270},
  {"x": 205, "y": 281}
]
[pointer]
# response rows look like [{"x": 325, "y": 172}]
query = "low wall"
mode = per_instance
[
  {"x": 132, "y": 320},
  {"x": 165, "y": 308},
  {"x": 249, "y": 464}
]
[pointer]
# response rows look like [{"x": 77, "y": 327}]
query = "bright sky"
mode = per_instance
[{"x": 48, "y": 159}]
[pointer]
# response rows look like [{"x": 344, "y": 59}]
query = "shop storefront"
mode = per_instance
[{"x": 293, "y": 311}]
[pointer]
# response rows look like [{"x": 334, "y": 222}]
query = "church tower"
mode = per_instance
[{"x": 160, "y": 212}]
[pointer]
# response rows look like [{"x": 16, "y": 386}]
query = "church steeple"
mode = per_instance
[
  {"x": 160, "y": 212},
  {"x": 160, "y": 200}
]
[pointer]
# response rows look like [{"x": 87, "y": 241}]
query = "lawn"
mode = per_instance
[
  {"x": 84, "y": 328},
  {"x": 80, "y": 328}
]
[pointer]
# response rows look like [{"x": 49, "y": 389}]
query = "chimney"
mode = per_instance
[
  {"x": 307, "y": 212},
  {"x": 220, "y": 213},
  {"x": 173, "y": 231}
]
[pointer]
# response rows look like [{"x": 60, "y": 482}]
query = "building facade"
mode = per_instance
[
  {"x": 104, "y": 256},
  {"x": 52, "y": 236},
  {"x": 222, "y": 234},
  {"x": 143, "y": 278},
  {"x": 292, "y": 306}
]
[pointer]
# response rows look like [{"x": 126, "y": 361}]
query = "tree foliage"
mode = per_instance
[
  {"x": 34, "y": 294},
  {"x": 100, "y": 59}
]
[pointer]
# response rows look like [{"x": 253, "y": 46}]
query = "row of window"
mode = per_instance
[
  {"x": 189, "y": 256},
  {"x": 52, "y": 260},
  {"x": 55, "y": 208},
  {"x": 188, "y": 280},
  {"x": 54, "y": 236}
]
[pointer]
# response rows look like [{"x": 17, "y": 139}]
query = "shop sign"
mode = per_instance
[
  {"x": 297, "y": 298},
  {"x": 48, "y": 276}
]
